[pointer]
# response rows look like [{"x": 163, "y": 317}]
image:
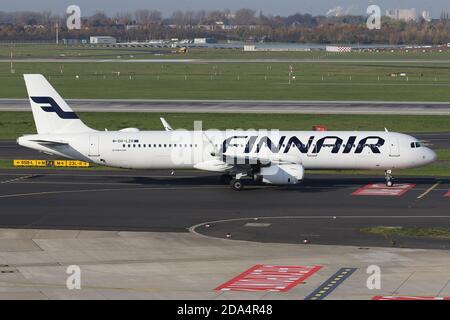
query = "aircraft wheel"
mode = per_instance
[
  {"x": 236, "y": 185},
  {"x": 389, "y": 183}
]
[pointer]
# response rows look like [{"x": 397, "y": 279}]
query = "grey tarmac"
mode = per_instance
[{"x": 244, "y": 106}]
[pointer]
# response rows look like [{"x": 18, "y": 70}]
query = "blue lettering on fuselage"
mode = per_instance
[{"x": 295, "y": 142}]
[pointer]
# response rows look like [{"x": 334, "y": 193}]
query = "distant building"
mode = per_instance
[
  {"x": 102, "y": 40},
  {"x": 204, "y": 40},
  {"x": 402, "y": 14},
  {"x": 74, "y": 41},
  {"x": 407, "y": 14},
  {"x": 131, "y": 27},
  {"x": 392, "y": 13}
]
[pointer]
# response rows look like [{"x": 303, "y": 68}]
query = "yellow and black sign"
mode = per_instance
[
  {"x": 50, "y": 163},
  {"x": 30, "y": 163}
]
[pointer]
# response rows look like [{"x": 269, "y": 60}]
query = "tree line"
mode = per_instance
[{"x": 243, "y": 24}]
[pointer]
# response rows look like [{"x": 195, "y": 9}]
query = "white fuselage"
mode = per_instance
[{"x": 200, "y": 149}]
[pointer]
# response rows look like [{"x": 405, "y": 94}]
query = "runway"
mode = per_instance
[
  {"x": 248, "y": 60},
  {"x": 244, "y": 106},
  {"x": 323, "y": 209}
]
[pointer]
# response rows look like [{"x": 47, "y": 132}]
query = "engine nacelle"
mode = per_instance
[{"x": 282, "y": 173}]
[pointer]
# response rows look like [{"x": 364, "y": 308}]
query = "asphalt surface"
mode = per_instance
[
  {"x": 322, "y": 209},
  {"x": 241, "y": 106},
  {"x": 263, "y": 60}
]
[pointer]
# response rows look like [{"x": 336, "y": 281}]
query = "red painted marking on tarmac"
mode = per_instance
[
  {"x": 269, "y": 278},
  {"x": 408, "y": 298},
  {"x": 380, "y": 189},
  {"x": 447, "y": 194}
]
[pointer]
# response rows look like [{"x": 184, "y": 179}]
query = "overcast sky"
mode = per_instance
[{"x": 281, "y": 7}]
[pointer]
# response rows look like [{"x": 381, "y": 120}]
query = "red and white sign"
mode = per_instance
[
  {"x": 269, "y": 278},
  {"x": 408, "y": 298},
  {"x": 380, "y": 189},
  {"x": 338, "y": 49}
]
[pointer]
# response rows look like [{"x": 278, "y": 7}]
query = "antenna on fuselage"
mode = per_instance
[{"x": 385, "y": 129}]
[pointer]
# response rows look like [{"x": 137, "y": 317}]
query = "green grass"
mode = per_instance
[
  {"x": 14, "y": 124},
  {"x": 256, "y": 81},
  {"x": 443, "y": 154},
  {"x": 436, "y": 233}
]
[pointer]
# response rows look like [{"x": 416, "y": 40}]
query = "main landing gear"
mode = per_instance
[
  {"x": 389, "y": 178},
  {"x": 235, "y": 182}
]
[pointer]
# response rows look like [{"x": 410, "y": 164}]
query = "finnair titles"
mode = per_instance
[{"x": 270, "y": 156}]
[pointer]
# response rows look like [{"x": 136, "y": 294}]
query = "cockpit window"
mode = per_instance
[
  {"x": 413, "y": 145},
  {"x": 418, "y": 145}
]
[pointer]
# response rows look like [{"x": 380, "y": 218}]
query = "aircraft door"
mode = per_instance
[
  {"x": 394, "y": 150},
  {"x": 94, "y": 146}
]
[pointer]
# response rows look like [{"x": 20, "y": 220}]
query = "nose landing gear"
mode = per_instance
[{"x": 389, "y": 178}]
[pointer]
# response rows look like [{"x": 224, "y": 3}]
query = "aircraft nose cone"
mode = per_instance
[{"x": 430, "y": 156}]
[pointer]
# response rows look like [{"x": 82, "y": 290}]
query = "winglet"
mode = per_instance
[{"x": 166, "y": 125}]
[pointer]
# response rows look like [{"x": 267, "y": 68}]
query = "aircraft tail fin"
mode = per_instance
[{"x": 51, "y": 113}]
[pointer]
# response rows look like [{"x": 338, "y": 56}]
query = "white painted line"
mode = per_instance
[
  {"x": 428, "y": 190},
  {"x": 105, "y": 190}
]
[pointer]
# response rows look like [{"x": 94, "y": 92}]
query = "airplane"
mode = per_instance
[{"x": 269, "y": 156}]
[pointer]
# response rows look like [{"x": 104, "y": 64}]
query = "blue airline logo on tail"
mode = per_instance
[{"x": 54, "y": 107}]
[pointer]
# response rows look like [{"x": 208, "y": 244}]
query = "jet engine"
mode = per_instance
[{"x": 282, "y": 173}]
